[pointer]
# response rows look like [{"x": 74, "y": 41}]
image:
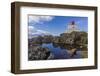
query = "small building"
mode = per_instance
[{"x": 72, "y": 27}]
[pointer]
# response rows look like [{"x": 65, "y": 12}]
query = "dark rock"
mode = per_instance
[
  {"x": 78, "y": 40},
  {"x": 47, "y": 39},
  {"x": 38, "y": 53}
]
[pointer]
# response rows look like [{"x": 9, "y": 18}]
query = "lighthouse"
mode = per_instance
[{"x": 72, "y": 26}]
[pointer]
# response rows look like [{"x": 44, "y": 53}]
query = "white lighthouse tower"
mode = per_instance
[{"x": 72, "y": 27}]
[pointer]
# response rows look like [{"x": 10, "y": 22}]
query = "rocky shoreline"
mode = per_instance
[
  {"x": 71, "y": 41},
  {"x": 39, "y": 53}
]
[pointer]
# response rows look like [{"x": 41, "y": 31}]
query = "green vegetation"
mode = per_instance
[
  {"x": 71, "y": 41},
  {"x": 74, "y": 39}
]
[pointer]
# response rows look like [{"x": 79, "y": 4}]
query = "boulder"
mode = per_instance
[{"x": 39, "y": 53}]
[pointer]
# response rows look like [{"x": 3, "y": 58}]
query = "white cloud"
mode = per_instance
[
  {"x": 43, "y": 32},
  {"x": 31, "y": 29},
  {"x": 32, "y": 32},
  {"x": 39, "y": 19},
  {"x": 35, "y": 20}
]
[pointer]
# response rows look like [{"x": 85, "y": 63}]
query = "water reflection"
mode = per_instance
[{"x": 61, "y": 51}]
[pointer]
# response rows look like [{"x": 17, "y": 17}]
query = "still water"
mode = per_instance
[{"x": 60, "y": 53}]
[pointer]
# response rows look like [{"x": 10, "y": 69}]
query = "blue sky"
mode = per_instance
[{"x": 55, "y": 25}]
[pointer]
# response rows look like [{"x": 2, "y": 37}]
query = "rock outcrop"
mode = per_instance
[
  {"x": 73, "y": 40},
  {"x": 77, "y": 38},
  {"x": 39, "y": 53}
]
